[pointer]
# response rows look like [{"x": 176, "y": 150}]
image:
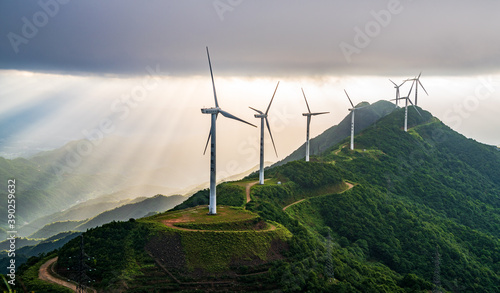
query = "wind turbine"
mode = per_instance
[
  {"x": 407, "y": 98},
  {"x": 263, "y": 116},
  {"x": 417, "y": 82},
  {"x": 308, "y": 115},
  {"x": 398, "y": 96},
  {"x": 353, "y": 109},
  {"x": 214, "y": 111}
]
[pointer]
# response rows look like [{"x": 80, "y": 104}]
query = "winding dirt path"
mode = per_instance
[
  {"x": 249, "y": 185},
  {"x": 45, "y": 274},
  {"x": 349, "y": 186},
  {"x": 293, "y": 203},
  {"x": 170, "y": 224}
]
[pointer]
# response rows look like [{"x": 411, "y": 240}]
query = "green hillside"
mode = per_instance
[
  {"x": 137, "y": 253},
  {"x": 229, "y": 193},
  {"x": 335, "y": 134},
  {"x": 427, "y": 189},
  {"x": 415, "y": 211}
]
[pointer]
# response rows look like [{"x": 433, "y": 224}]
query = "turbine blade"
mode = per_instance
[
  {"x": 209, "y": 135},
  {"x": 319, "y": 113},
  {"x": 422, "y": 87},
  {"x": 272, "y": 97},
  {"x": 260, "y": 112},
  {"x": 393, "y": 83},
  {"x": 410, "y": 89},
  {"x": 306, "y": 100},
  {"x": 415, "y": 108},
  {"x": 402, "y": 84},
  {"x": 212, "y": 75},
  {"x": 349, "y": 98},
  {"x": 208, "y": 140},
  {"x": 227, "y": 115},
  {"x": 272, "y": 139}
]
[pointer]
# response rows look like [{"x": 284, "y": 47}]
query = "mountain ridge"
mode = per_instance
[
  {"x": 425, "y": 203},
  {"x": 333, "y": 135}
]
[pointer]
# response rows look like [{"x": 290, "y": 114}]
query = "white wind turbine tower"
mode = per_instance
[
  {"x": 308, "y": 115},
  {"x": 263, "y": 116},
  {"x": 353, "y": 109},
  {"x": 407, "y": 98},
  {"x": 212, "y": 208},
  {"x": 398, "y": 95},
  {"x": 417, "y": 82}
]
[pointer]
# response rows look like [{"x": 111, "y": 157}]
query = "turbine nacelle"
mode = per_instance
[{"x": 213, "y": 110}]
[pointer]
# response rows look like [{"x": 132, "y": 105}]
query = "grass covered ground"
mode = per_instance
[
  {"x": 200, "y": 215},
  {"x": 233, "y": 237}
]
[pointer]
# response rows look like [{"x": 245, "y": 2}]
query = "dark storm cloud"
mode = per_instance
[{"x": 250, "y": 37}]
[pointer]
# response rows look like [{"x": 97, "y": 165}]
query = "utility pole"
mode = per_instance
[{"x": 80, "y": 269}]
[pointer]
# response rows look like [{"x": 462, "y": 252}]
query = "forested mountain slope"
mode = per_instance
[{"x": 408, "y": 211}]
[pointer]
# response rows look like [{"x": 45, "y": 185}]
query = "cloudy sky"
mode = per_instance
[
  {"x": 252, "y": 38},
  {"x": 68, "y": 67}
]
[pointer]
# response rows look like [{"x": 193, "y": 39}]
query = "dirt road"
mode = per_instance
[
  {"x": 249, "y": 185},
  {"x": 293, "y": 204},
  {"x": 171, "y": 225},
  {"x": 349, "y": 186},
  {"x": 45, "y": 274}
]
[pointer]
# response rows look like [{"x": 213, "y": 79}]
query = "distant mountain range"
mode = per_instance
[
  {"x": 138, "y": 208},
  {"x": 92, "y": 207},
  {"x": 81, "y": 180}
]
